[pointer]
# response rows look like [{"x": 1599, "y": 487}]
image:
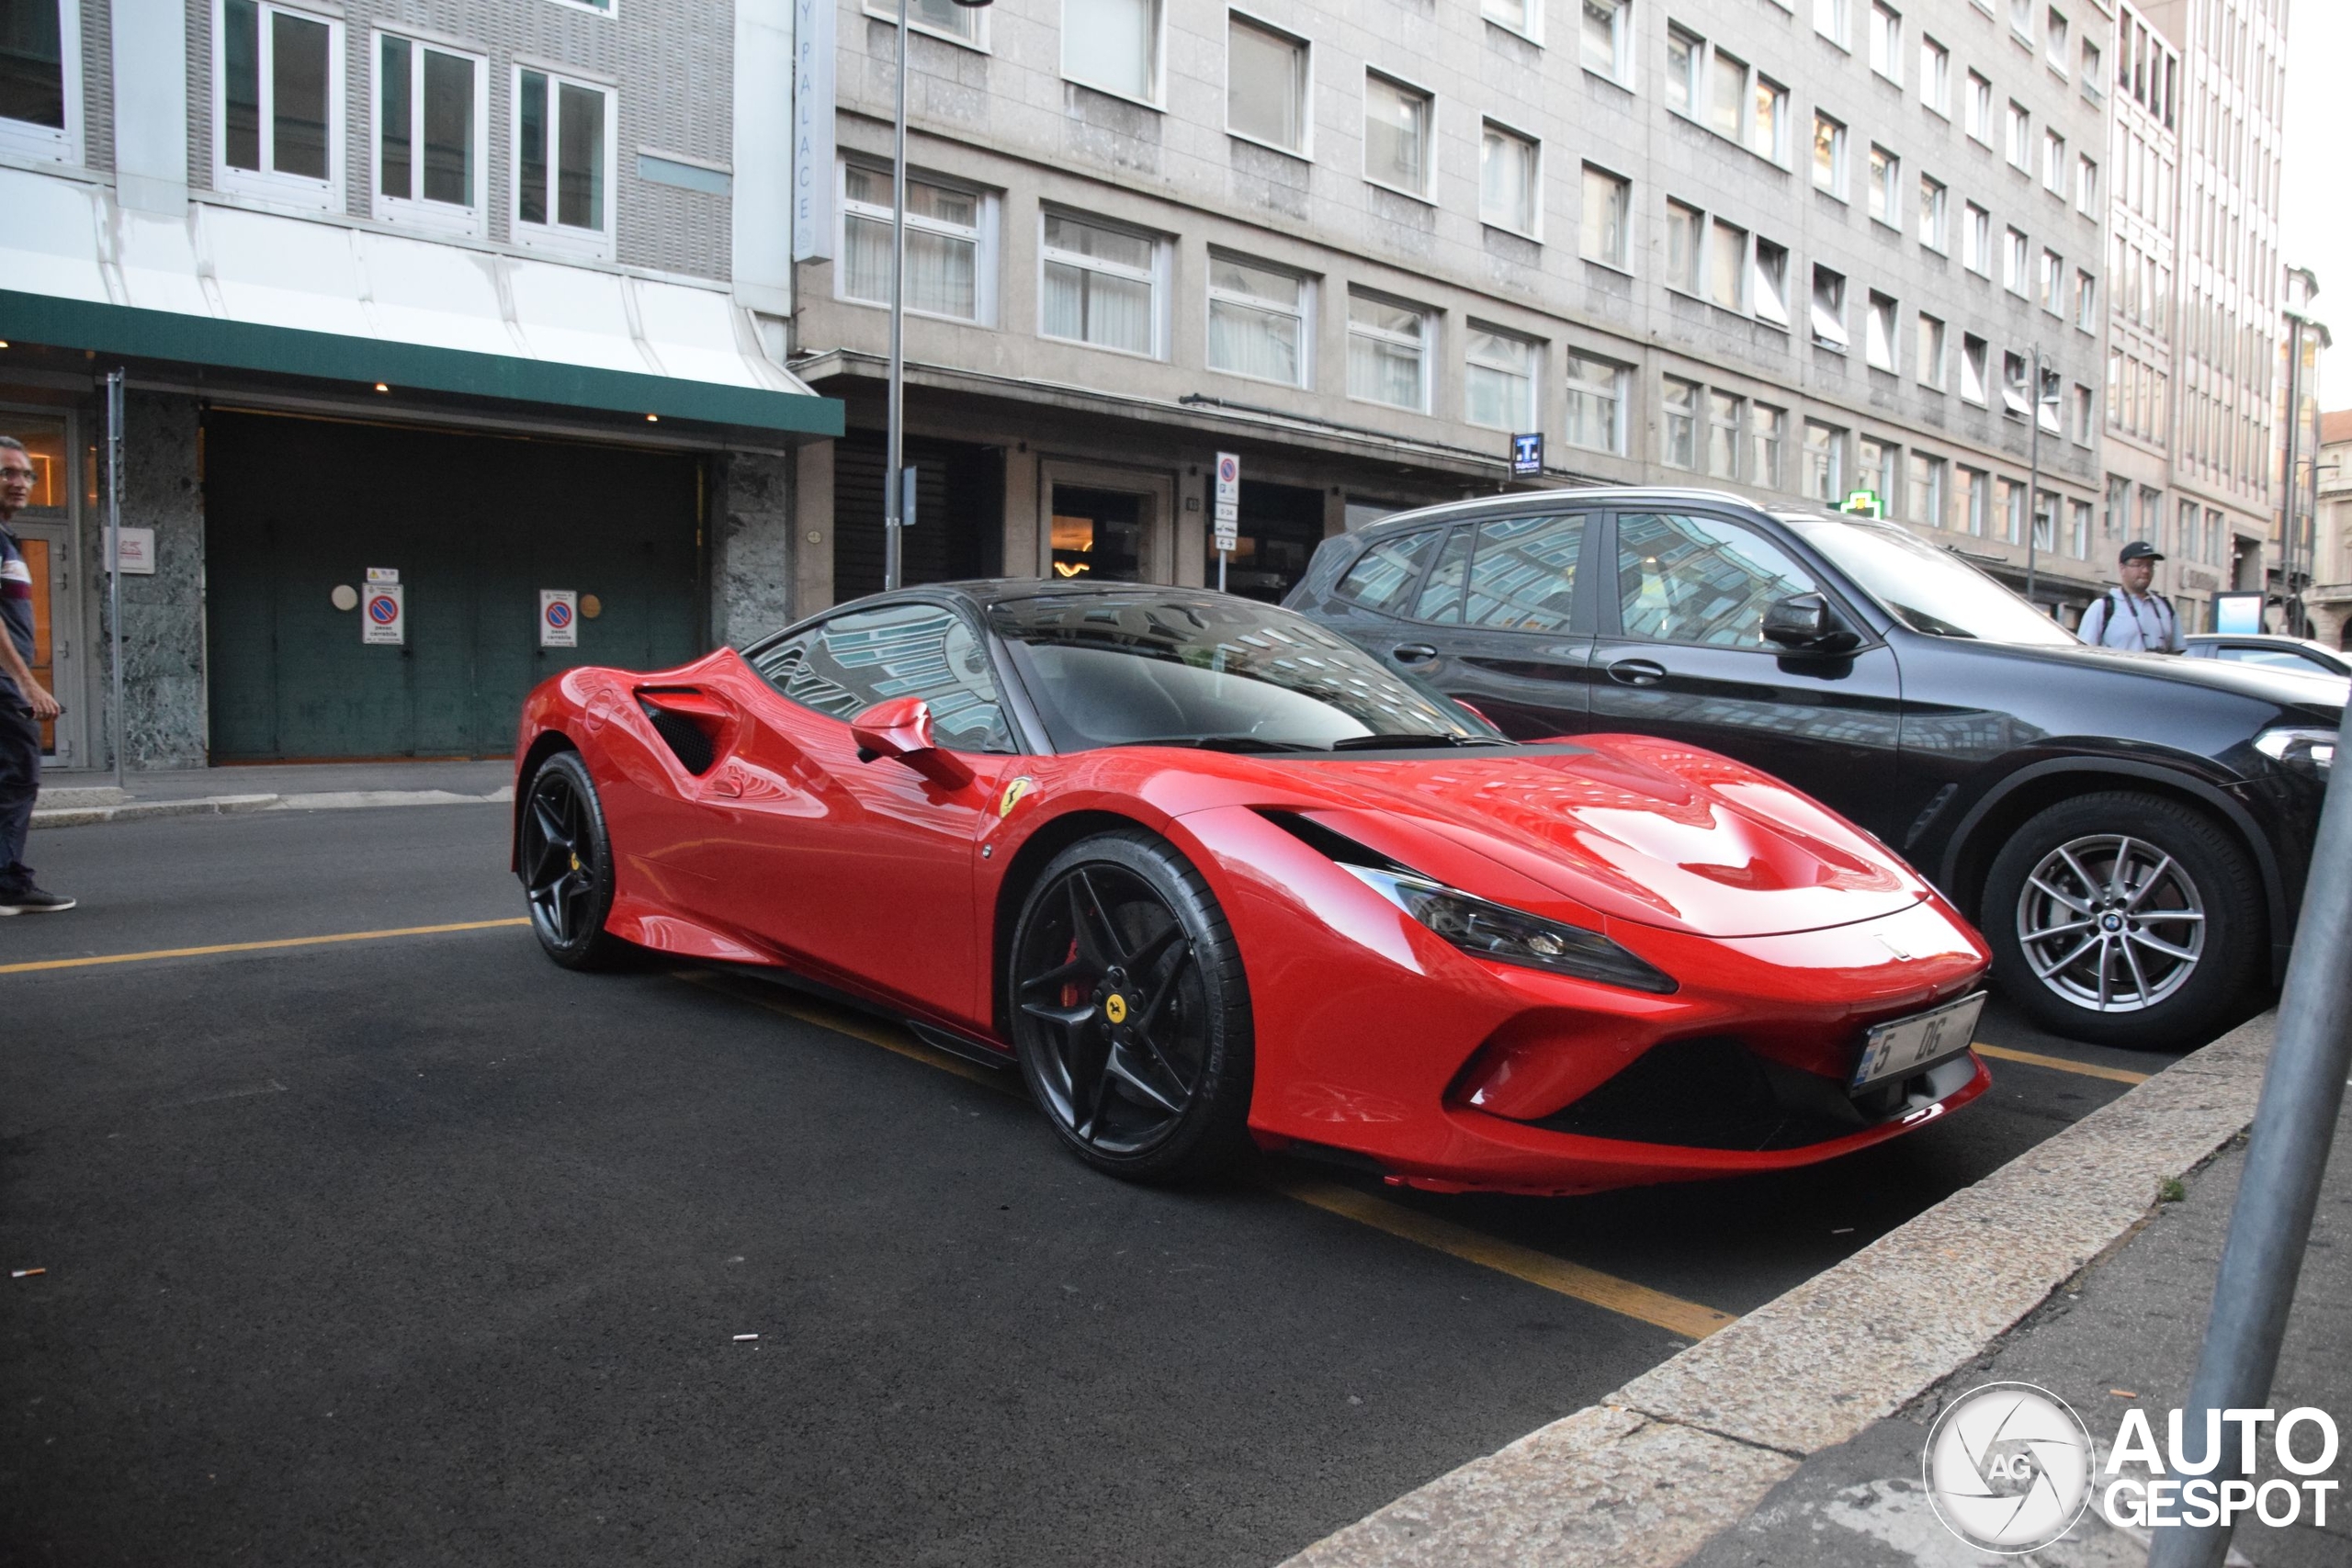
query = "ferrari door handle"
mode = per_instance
[
  {"x": 1412, "y": 653},
  {"x": 1636, "y": 672}
]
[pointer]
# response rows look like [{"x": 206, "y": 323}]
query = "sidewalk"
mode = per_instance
[
  {"x": 2125, "y": 1332},
  {"x": 72, "y": 800}
]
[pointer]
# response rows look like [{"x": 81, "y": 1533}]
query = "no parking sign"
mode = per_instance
[
  {"x": 558, "y": 617},
  {"x": 385, "y": 624}
]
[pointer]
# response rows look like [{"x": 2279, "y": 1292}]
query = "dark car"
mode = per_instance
[
  {"x": 2131, "y": 832},
  {"x": 2298, "y": 654}
]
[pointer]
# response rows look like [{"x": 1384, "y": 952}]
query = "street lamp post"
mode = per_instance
[
  {"x": 2033, "y": 487},
  {"x": 894, "y": 483},
  {"x": 2301, "y": 284}
]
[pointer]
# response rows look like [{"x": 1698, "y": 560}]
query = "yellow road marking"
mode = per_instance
[
  {"x": 2088, "y": 1070},
  {"x": 1525, "y": 1263},
  {"x": 256, "y": 946}
]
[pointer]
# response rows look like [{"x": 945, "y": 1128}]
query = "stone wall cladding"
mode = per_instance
[
  {"x": 752, "y": 546},
  {"x": 162, "y": 615}
]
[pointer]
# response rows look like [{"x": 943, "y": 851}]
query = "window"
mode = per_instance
[
  {"x": 2119, "y": 504},
  {"x": 2078, "y": 534},
  {"x": 2053, "y": 282},
  {"x": 563, "y": 153},
  {"x": 1974, "y": 353},
  {"x": 2086, "y": 185},
  {"x": 1935, "y": 77},
  {"x": 2012, "y": 514},
  {"x": 1499, "y": 383},
  {"x": 277, "y": 118},
  {"x": 1607, "y": 198},
  {"x": 1386, "y": 572},
  {"x": 944, "y": 250},
  {"x": 1886, "y": 42},
  {"x": 1971, "y": 493},
  {"x": 2086, "y": 301},
  {"x": 1727, "y": 97},
  {"x": 1829, "y": 21},
  {"x": 2048, "y": 406},
  {"x": 1686, "y": 59},
  {"x": 1824, "y": 462},
  {"x": 1507, "y": 179},
  {"x": 1828, "y": 154},
  {"x": 1685, "y": 233},
  {"x": 1723, "y": 412},
  {"x": 1604, "y": 37},
  {"x": 2020, "y": 127},
  {"x": 1931, "y": 351},
  {"x": 2045, "y": 521},
  {"x": 2014, "y": 251},
  {"x": 1765, "y": 425},
  {"x": 1387, "y": 352},
  {"x": 1768, "y": 135},
  {"x": 2053, "y": 42},
  {"x": 1977, "y": 108},
  {"x": 1116, "y": 50},
  {"x": 1265, "y": 84},
  {"x": 2013, "y": 389},
  {"x": 2021, "y": 18},
  {"x": 1100, "y": 284},
  {"x": 1769, "y": 283},
  {"x": 2093, "y": 71},
  {"x": 1874, "y": 471},
  {"x": 942, "y": 17},
  {"x": 1926, "y": 498},
  {"x": 1257, "y": 320},
  {"x": 1932, "y": 197},
  {"x": 1727, "y": 267},
  {"x": 1699, "y": 579},
  {"x": 1885, "y": 197},
  {"x": 1519, "y": 15},
  {"x": 40, "y": 78},
  {"x": 430, "y": 108},
  {"x": 1525, "y": 575},
  {"x": 2054, "y": 162},
  {"x": 1828, "y": 309},
  {"x": 847, "y": 664},
  {"x": 1396, "y": 134},
  {"x": 1878, "y": 341},
  {"x": 2082, "y": 412},
  {"x": 1596, "y": 404},
  {"x": 1681, "y": 405},
  {"x": 1976, "y": 240}
]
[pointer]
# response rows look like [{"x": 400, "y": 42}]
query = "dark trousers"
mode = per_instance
[{"x": 19, "y": 785}]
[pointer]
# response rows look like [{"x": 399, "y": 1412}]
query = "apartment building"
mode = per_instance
[
  {"x": 2329, "y": 599},
  {"x": 2196, "y": 355},
  {"x": 1792, "y": 248},
  {"x": 433, "y": 316}
]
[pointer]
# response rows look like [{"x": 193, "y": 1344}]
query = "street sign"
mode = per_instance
[
  {"x": 383, "y": 574},
  {"x": 558, "y": 618},
  {"x": 1527, "y": 455},
  {"x": 1227, "y": 500},
  {"x": 385, "y": 622},
  {"x": 1863, "y": 504}
]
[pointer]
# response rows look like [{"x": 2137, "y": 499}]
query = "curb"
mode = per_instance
[
  {"x": 223, "y": 805},
  {"x": 1685, "y": 1451}
]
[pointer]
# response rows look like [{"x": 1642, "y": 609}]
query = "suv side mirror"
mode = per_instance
[
  {"x": 1803, "y": 621},
  {"x": 900, "y": 728}
]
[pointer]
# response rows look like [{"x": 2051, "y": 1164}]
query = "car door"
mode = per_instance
[
  {"x": 1506, "y": 621},
  {"x": 863, "y": 869},
  {"x": 1680, "y": 653}
]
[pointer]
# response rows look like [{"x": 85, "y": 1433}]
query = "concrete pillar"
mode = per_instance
[
  {"x": 751, "y": 547},
  {"x": 1024, "y": 541},
  {"x": 812, "y": 578},
  {"x": 162, "y": 615}
]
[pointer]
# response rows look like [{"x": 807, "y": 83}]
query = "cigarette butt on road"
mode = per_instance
[
  {"x": 25, "y": 1274},
  {"x": 2124, "y": 1393},
  {"x": 741, "y": 1337}
]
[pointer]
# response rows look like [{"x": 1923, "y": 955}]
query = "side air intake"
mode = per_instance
[{"x": 686, "y": 738}]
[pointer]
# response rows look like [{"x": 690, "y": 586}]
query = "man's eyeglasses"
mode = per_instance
[{"x": 25, "y": 474}]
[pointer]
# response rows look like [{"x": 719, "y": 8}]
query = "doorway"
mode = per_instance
[
  {"x": 1279, "y": 528},
  {"x": 45, "y": 528},
  {"x": 1104, "y": 524}
]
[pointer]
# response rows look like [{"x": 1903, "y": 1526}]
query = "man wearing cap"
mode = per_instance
[{"x": 2131, "y": 616}]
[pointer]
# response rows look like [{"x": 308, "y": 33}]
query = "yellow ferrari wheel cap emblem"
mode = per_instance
[
  {"x": 575, "y": 863},
  {"x": 1115, "y": 1009}
]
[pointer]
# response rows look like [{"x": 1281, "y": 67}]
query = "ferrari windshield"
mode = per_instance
[
  {"x": 1928, "y": 589},
  {"x": 1179, "y": 668}
]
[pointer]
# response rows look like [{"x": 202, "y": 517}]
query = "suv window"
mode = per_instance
[
  {"x": 1384, "y": 574},
  {"x": 846, "y": 665},
  {"x": 1523, "y": 575},
  {"x": 1700, "y": 580},
  {"x": 1440, "y": 597}
]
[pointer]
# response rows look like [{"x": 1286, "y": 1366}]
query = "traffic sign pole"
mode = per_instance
[{"x": 1226, "y": 512}]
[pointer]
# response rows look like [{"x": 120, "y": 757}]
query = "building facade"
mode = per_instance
[
  {"x": 425, "y": 313},
  {"x": 2328, "y": 601},
  {"x": 1794, "y": 250}
]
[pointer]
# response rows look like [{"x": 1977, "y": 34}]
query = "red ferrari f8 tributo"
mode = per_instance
[{"x": 1210, "y": 874}]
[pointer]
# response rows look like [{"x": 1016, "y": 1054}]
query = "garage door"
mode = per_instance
[{"x": 475, "y": 527}]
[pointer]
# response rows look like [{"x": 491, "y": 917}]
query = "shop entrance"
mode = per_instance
[
  {"x": 1279, "y": 528},
  {"x": 46, "y": 529},
  {"x": 297, "y": 508}
]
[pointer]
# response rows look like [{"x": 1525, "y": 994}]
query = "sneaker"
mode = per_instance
[{"x": 33, "y": 901}]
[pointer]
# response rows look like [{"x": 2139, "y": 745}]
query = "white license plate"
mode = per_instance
[{"x": 1892, "y": 1049}]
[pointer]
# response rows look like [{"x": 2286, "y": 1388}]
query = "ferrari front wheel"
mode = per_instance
[
  {"x": 567, "y": 860},
  {"x": 1130, "y": 1013}
]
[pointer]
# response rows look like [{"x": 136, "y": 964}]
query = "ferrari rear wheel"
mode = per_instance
[
  {"x": 1130, "y": 1013},
  {"x": 567, "y": 859}
]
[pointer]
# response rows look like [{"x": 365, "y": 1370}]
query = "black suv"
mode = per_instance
[{"x": 2131, "y": 832}]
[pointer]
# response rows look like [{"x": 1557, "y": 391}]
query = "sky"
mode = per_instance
[{"x": 2315, "y": 218}]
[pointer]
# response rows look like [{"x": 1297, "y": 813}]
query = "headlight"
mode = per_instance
[
  {"x": 2308, "y": 747},
  {"x": 1498, "y": 932}
]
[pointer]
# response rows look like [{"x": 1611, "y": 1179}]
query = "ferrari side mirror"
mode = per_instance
[{"x": 900, "y": 728}]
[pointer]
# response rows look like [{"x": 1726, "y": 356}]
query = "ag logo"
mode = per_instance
[
  {"x": 1015, "y": 794},
  {"x": 2009, "y": 1468}
]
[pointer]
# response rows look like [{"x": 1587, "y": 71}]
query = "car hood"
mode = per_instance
[
  {"x": 1636, "y": 828},
  {"x": 2320, "y": 694}
]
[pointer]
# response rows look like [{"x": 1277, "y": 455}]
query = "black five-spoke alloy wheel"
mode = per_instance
[
  {"x": 2124, "y": 918},
  {"x": 567, "y": 861},
  {"x": 1129, "y": 1012}
]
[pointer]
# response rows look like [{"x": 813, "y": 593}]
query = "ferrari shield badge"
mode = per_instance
[{"x": 1015, "y": 792}]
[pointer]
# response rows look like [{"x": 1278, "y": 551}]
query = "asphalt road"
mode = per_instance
[{"x": 419, "y": 1250}]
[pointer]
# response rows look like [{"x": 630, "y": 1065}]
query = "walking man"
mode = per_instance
[
  {"x": 2133, "y": 616},
  {"x": 23, "y": 702}
]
